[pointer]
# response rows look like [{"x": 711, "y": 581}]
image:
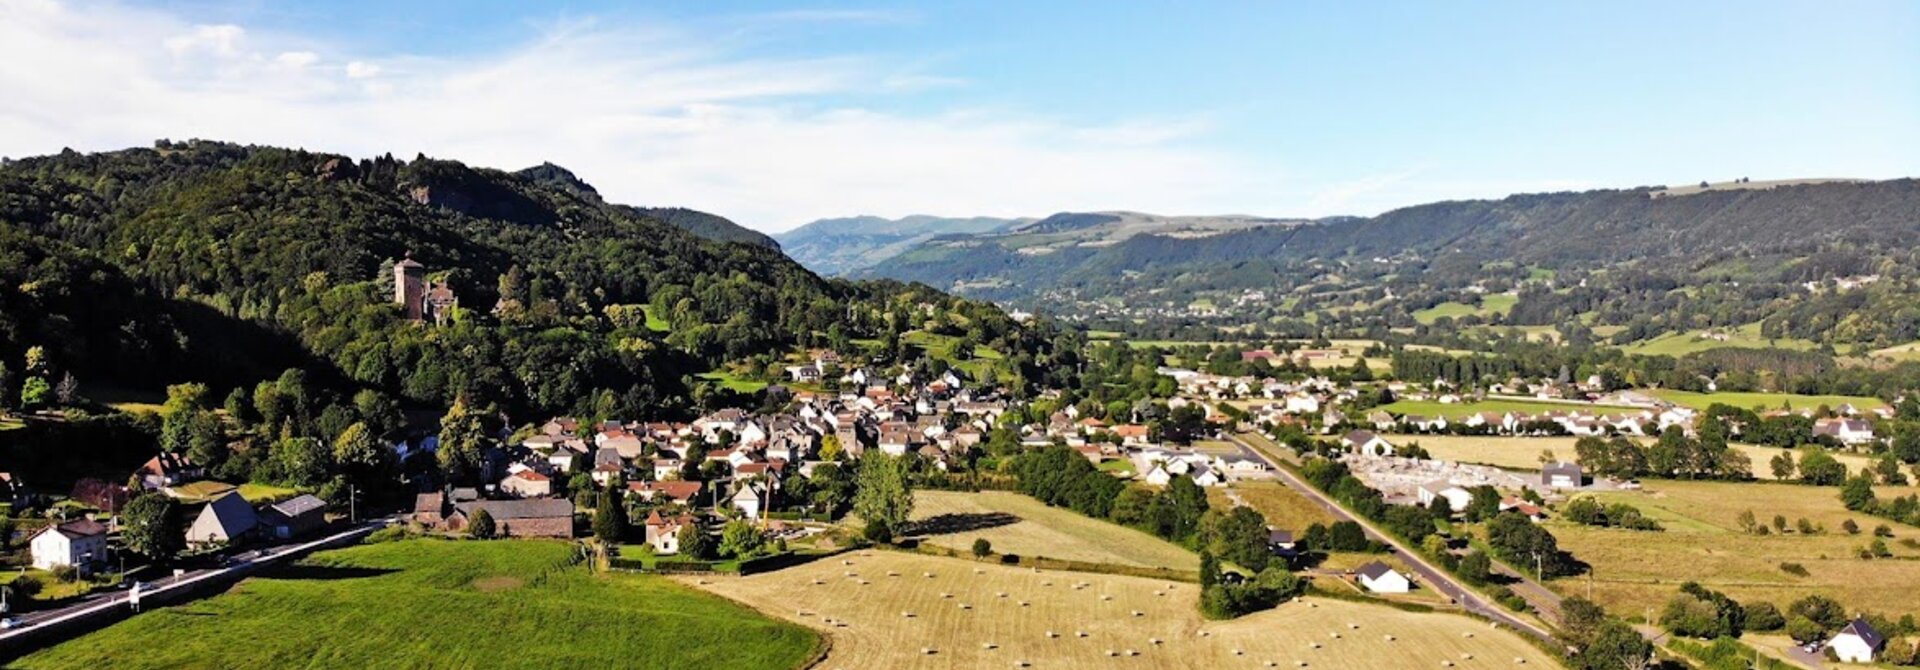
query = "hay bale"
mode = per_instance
[
  {"x": 1111, "y": 652},
  {"x": 1466, "y": 657},
  {"x": 1467, "y": 634},
  {"x": 965, "y": 606},
  {"x": 988, "y": 645},
  {"x": 1021, "y": 664},
  {"x": 1001, "y": 594},
  {"x": 1353, "y": 626},
  {"x": 929, "y": 575},
  {"x": 1023, "y": 603},
  {"x": 1139, "y": 613},
  {"x": 1080, "y": 633},
  {"x": 929, "y": 651},
  {"x": 1051, "y": 635},
  {"x": 907, "y": 615},
  {"x": 1336, "y": 635},
  {"x": 1389, "y": 638}
]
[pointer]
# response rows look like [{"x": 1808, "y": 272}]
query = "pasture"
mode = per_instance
[
  {"x": 442, "y": 604},
  {"x": 1683, "y": 343},
  {"x": 896, "y": 610},
  {"x": 1703, "y": 542},
  {"x": 1523, "y": 453},
  {"x": 1499, "y": 303},
  {"x": 1458, "y": 410},
  {"x": 1019, "y": 525},
  {"x": 1764, "y": 401}
]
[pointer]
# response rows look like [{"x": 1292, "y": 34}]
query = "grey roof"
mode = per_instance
[
  {"x": 1360, "y": 437},
  {"x": 1280, "y": 537},
  {"x": 304, "y": 503},
  {"x": 1562, "y": 468},
  {"x": 530, "y": 508},
  {"x": 229, "y": 514},
  {"x": 1373, "y": 570},
  {"x": 1860, "y": 628}
]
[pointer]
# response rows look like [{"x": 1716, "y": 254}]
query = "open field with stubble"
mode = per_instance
[
  {"x": 959, "y": 616},
  {"x": 1019, "y": 525},
  {"x": 1703, "y": 542},
  {"x": 443, "y": 604},
  {"x": 1523, "y": 453}
]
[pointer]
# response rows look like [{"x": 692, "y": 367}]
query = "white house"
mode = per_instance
[
  {"x": 1366, "y": 443},
  {"x": 77, "y": 543},
  {"x": 750, "y": 500},
  {"x": 1857, "y": 643},
  {"x": 1562, "y": 475},
  {"x": 1847, "y": 431},
  {"x": 1379, "y": 578},
  {"x": 1457, "y": 498}
]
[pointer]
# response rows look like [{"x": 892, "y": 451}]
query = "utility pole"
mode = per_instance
[{"x": 353, "y": 504}]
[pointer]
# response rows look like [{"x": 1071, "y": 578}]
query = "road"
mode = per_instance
[
  {"x": 1432, "y": 576},
  {"x": 245, "y": 561}
]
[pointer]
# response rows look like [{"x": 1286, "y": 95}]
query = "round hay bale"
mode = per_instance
[
  {"x": 1153, "y": 640},
  {"x": 988, "y": 645},
  {"x": 1131, "y": 652},
  {"x": 1353, "y": 626},
  {"x": 1051, "y": 635},
  {"x": 1021, "y": 664},
  {"x": 1139, "y": 613},
  {"x": 1001, "y": 594},
  {"x": 1467, "y": 634},
  {"x": 928, "y": 651},
  {"x": 1237, "y": 652},
  {"x": 1336, "y": 635},
  {"x": 1079, "y": 633},
  {"x": 1105, "y": 597},
  {"x": 1023, "y": 603},
  {"x": 965, "y": 606},
  {"x": 1111, "y": 652},
  {"x": 1313, "y": 645},
  {"x": 1518, "y": 660},
  {"x": 1389, "y": 638},
  {"x": 1466, "y": 657},
  {"x": 928, "y": 575},
  {"x": 908, "y": 615},
  {"x": 1446, "y": 664}
]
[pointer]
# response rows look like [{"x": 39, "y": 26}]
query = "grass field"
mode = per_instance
[
  {"x": 1680, "y": 344},
  {"x": 442, "y": 604},
  {"x": 1524, "y": 452},
  {"x": 1905, "y": 352},
  {"x": 1052, "y": 532},
  {"x": 1283, "y": 507},
  {"x": 733, "y": 382},
  {"x": 1703, "y": 542},
  {"x": 1461, "y": 409},
  {"x": 1768, "y": 401},
  {"x": 1499, "y": 303},
  {"x": 871, "y": 628}
]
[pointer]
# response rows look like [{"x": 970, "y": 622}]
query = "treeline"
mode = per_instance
[{"x": 1675, "y": 455}]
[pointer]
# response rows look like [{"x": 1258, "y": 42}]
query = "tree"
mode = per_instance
[
  {"x": 883, "y": 495},
  {"x": 359, "y": 458},
  {"x": 1209, "y": 569},
  {"x": 1189, "y": 503},
  {"x": 35, "y": 392},
  {"x": 1857, "y": 493},
  {"x": 694, "y": 541},
  {"x": 1763, "y": 617},
  {"x": 1819, "y": 468},
  {"x": 740, "y": 539},
  {"x": 481, "y": 525},
  {"x": 1347, "y": 536},
  {"x": 1239, "y": 536},
  {"x": 68, "y": 390},
  {"x": 830, "y": 449},
  {"x": 1803, "y": 630},
  {"x": 464, "y": 435},
  {"x": 1580, "y": 621},
  {"x": 1823, "y": 611},
  {"x": 1782, "y": 465},
  {"x": 1615, "y": 646},
  {"x": 982, "y": 548},
  {"x": 610, "y": 516},
  {"x": 1476, "y": 568},
  {"x": 151, "y": 526}
]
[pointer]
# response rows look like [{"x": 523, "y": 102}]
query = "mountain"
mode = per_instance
[
  {"x": 843, "y": 246},
  {"x": 710, "y": 226},
  {"x": 223, "y": 263}
]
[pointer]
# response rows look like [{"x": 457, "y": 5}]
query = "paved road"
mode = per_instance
[
  {"x": 1432, "y": 576},
  {"x": 244, "y": 561}
]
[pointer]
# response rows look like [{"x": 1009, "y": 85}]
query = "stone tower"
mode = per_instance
[{"x": 410, "y": 288}]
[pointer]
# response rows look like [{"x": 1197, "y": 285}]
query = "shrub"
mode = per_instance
[
  {"x": 26, "y": 586},
  {"x": 981, "y": 548},
  {"x": 1851, "y": 527},
  {"x": 1764, "y": 617},
  {"x": 1794, "y": 569},
  {"x": 66, "y": 573}
]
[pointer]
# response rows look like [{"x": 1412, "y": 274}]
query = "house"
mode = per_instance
[
  {"x": 1857, "y": 643},
  {"x": 1532, "y": 511},
  {"x": 1846, "y": 431},
  {"x": 294, "y": 517},
  {"x": 1281, "y": 542},
  {"x": 167, "y": 470},
  {"x": 532, "y": 517},
  {"x": 682, "y": 492},
  {"x": 750, "y": 499},
  {"x": 527, "y": 484},
  {"x": 1457, "y": 498},
  {"x": 430, "y": 509},
  {"x": 663, "y": 534},
  {"x": 1366, "y": 443},
  {"x": 1379, "y": 578},
  {"x": 1561, "y": 475},
  {"x": 229, "y": 518},
  {"x": 81, "y": 544}
]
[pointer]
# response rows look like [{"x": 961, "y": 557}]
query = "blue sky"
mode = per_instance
[{"x": 775, "y": 114}]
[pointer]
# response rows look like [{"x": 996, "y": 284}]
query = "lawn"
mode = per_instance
[
  {"x": 1634, "y": 571},
  {"x": 1765, "y": 401},
  {"x": 941, "y": 347},
  {"x": 1680, "y": 344},
  {"x": 442, "y": 604},
  {"x": 1523, "y": 453},
  {"x": 884, "y": 611},
  {"x": 1457, "y": 410},
  {"x": 733, "y": 382},
  {"x": 1019, "y": 525}
]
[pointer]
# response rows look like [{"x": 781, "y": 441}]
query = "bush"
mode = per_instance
[
  {"x": 982, "y": 547},
  {"x": 1764, "y": 617},
  {"x": 389, "y": 534},
  {"x": 1794, "y": 569},
  {"x": 26, "y": 586},
  {"x": 66, "y": 573}
]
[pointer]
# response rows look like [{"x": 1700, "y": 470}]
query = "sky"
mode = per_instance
[{"x": 775, "y": 114}]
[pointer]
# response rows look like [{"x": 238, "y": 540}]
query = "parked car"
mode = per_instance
[{"x": 11, "y": 623}]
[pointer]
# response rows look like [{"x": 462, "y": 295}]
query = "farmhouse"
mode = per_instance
[
  {"x": 675, "y": 491},
  {"x": 167, "y": 470},
  {"x": 527, "y": 484},
  {"x": 293, "y": 518},
  {"x": 1379, "y": 578},
  {"x": 534, "y": 517},
  {"x": 1457, "y": 498},
  {"x": 77, "y": 543},
  {"x": 1366, "y": 443},
  {"x": 1857, "y": 643},
  {"x": 1561, "y": 475},
  {"x": 663, "y": 534},
  {"x": 228, "y": 518},
  {"x": 1846, "y": 431}
]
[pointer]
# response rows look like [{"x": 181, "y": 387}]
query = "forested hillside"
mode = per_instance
[
  {"x": 842, "y": 246},
  {"x": 222, "y": 263}
]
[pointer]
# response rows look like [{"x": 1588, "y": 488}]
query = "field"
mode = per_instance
[
  {"x": 733, "y": 382},
  {"x": 1489, "y": 305},
  {"x": 867, "y": 615},
  {"x": 1702, "y": 401},
  {"x": 1462, "y": 409},
  {"x": 1905, "y": 352},
  {"x": 1283, "y": 507},
  {"x": 1022, "y": 526},
  {"x": 941, "y": 347},
  {"x": 203, "y": 491},
  {"x": 442, "y": 604},
  {"x": 1634, "y": 571},
  {"x": 1523, "y": 453},
  {"x": 1680, "y": 344}
]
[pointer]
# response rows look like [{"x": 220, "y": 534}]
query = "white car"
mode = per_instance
[{"x": 11, "y": 623}]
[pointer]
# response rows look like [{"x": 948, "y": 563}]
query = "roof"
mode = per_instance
[
  {"x": 1374, "y": 570},
  {"x": 1561, "y": 468},
  {"x": 74, "y": 530},
  {"x": 428, "y": 503},
  {"x": 231, "y": 513},
  {"x": 1863, "y": 630},
  {"x": 1360, "y": 437},
  {"x": 304, "y": 503},
  {"x": 1280, "y": 537},
  {"x": 531, "y": 508}
]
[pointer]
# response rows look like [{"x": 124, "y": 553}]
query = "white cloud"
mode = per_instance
[{"x": 648, "y": 115}]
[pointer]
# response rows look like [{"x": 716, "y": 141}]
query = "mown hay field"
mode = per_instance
[
  {"x": 1523, "y": 453},
  {"x": 1019, "y": 525},
  {"x": 882, "y": 610}
]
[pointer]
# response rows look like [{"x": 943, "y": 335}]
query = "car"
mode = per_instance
[{"x": 11, "y": 623}]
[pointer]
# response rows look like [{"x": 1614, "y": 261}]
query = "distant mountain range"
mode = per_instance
[{"x": 846, "y": 245}]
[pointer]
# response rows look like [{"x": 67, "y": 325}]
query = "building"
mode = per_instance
[
  {"x": 294, "y": 517},
  {"x": 81, "y": 544},
  {"x": 533, "y": 517},
  {"x": 663, "y": 534},
  {"x": 419, "y": 298},
  {"x": 1379, "y": 578},
  {"x": 1365, "y": 443},
  {"x": 228, "y": 519},
  {"x": 1857, "y": 643},
  {"x": 527, "y": 484},
  {"x": 167, "y": 470},
  {"x": 1457, "y": 498},
  {"x": 1561, "y": 475}
]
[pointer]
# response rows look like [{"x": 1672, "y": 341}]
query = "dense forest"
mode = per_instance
[{"x": 225, "y": 264}]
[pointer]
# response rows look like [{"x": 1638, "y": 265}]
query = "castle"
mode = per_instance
[{"x": 419, "y": 298}]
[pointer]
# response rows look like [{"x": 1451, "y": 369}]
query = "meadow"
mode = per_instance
[
  {"x": 1703, "y": 542},
  {"x": 1523, "y": 453},
  {"x": 1683, "y": 343},
  {"x": 896, "y": 610},
  {"x": 1019, "y": 525},
  {"x": 1499, "y": 303},
  {"x": 1764, "y": 401},
  {"x": 442, "y": 604}
]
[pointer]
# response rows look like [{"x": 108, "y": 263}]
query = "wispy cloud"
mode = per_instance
[{"x": 649, "y": 115}]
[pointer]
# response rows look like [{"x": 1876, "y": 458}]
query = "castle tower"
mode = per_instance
[{"x": 410, "y": 288}]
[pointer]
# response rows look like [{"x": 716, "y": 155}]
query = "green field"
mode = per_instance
[
  {"x": 1457, "y": 410},
  {"x": 1769, "y": 401},
  {"x": 1680, "y": 344},
  {"x": 941, "y": 347},
  {"x": 733, "y": 382},
  {"x": 443, "y": 604},
  {"x": 1498, "y": 303}
]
